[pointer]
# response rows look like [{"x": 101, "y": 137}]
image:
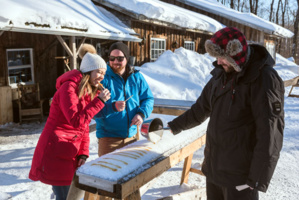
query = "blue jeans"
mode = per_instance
[{"x": 60, "y": 191}]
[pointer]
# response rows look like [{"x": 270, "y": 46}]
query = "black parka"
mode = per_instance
[{"x": 245, "y": 131}]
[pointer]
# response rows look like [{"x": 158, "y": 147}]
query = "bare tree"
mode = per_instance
[
  {"x": 277, "y": 12},
  {"x": 256, "y": 6},
  {"x": 253, "y": 5},
  {"x": 283, "y": 11},
  {"x": 295, "y": 45},
  {"x": 238, "y": 5},
  {"x": 232, "y": 5},
  {"x": 271, "y": 10}
]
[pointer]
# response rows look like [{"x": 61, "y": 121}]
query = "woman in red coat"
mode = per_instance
[{"x": 64, "y": 143}]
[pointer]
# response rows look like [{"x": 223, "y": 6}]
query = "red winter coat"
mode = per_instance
[{"x": 66, "y": 133}]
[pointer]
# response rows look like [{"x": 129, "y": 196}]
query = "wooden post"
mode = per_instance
[
  {"x": 261, "y": 38},
  {"x": 6, "y": 108},
  {"x": 134, "y": 196},
  {"x": 73, "y": 49}
]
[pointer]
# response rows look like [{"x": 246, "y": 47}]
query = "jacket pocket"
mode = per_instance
[{"x": 66, "y": 145}]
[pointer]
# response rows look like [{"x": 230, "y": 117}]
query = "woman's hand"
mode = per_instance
[
  {"x": 120, "y": 105},
  {"x": 105, "y": 95},
  {"x": 81, "y": 162}
]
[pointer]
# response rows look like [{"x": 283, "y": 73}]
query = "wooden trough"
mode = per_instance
[{"x": 155, "y": 161}]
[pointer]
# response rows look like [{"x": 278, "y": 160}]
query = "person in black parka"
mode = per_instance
[{"x": 244, "y": 100}]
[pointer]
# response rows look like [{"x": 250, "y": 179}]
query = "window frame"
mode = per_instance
[
  {"x": 271, "y": 48},
  {"x": 189, "y": 42},
  {"x": 31, "y": 66},
  {"x": 157, "y": 49}
]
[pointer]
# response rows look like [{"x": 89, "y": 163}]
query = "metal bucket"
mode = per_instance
[{"x": 151, "y": 125}]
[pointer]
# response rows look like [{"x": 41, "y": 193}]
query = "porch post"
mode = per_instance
[{"x": 74, "y": 52}]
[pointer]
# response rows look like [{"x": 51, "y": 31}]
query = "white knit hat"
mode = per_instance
[{"x": 91, "y": 62}]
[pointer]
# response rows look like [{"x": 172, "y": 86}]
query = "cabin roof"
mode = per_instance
[
  {"x": 247, "y": 19},
  {"x": 157, "y": 11},
  {"x": 63, "y": 17}
]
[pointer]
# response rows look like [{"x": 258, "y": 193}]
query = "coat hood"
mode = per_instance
[{"x": 73, "y": 75}]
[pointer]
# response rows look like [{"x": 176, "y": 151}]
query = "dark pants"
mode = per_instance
[
  {"x": 60, "y": 191},
  {"x": 216, "y": 192}
]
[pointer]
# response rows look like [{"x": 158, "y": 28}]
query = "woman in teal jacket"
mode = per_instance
[{"x": 116, "y": 122}]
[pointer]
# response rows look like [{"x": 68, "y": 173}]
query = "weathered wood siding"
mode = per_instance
[
  {"x": 44, "y": 52},
  {"x": 148, "y": 29},
  {"x": 172, "y": 35}
]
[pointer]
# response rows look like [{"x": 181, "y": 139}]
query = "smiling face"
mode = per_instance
[
  {"x": 96, "y": 76},
  {"x": 117, "y": 66},
  {"x": 228, "y": 68}
]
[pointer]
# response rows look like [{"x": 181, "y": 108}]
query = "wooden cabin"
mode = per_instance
[
  {"x": 255, "y": 29},
  {"x": 159, "y": 35},
  {"x": 34, "y": 52}
]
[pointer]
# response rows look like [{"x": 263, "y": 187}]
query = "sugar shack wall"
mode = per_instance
[
  {"x": 175, "y": 38},
  {"x": 44, "y": 50},
  {"x": 147, "y": 29}
]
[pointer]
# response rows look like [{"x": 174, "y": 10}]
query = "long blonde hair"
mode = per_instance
[{"x": 86, "y": 88}]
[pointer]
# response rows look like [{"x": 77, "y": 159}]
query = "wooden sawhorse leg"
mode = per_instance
[{"x": 187, "y": 169}]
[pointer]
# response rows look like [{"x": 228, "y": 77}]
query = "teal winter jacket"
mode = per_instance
[{"x": 109, "y": 122}]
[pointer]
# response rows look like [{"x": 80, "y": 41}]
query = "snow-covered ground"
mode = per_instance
[{"x": 178, "y": 75}]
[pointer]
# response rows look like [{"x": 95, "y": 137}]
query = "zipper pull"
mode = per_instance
[{"x": 233, "y": 94}]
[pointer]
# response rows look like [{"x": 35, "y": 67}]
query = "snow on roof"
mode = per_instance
[
  {"x": 62, "y": 17},
  {"x": 247, "y": 19},
  {"x": 169, "y": 13}
]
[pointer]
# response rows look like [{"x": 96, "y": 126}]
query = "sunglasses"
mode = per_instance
[{"x": 118, "y": 58}]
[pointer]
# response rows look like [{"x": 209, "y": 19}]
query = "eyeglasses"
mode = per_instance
[{"x": 118, "y": 58}]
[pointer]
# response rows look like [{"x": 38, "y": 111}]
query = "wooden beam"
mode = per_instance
[
  {"x": 196, "y": 171},
  {"x": 63, "y": 43},
  {"x": 1, "y": 32},
  {"x": 80, "y": 45}
]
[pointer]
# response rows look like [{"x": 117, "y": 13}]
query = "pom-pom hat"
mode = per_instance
[
  {"x": 229, "y": 43},
  {"x": 90, "y": 60}
]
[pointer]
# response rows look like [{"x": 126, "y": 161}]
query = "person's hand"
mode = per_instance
[
  {"x": 137, "y": 120},
  {"x": 169, "y": 128},
  {"x": 81, "y": 162},
  {"x": 105, "y": 95},
  {"x": 120, "y": 105}
]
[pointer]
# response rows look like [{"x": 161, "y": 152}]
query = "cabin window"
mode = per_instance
[
  {"x": 189, "y": 45},
  {"x": 20, "y": 66},
  {"x": 158, "y": 46}
]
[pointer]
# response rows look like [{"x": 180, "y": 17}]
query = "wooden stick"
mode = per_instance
[{"x": 128, "y": 98}]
